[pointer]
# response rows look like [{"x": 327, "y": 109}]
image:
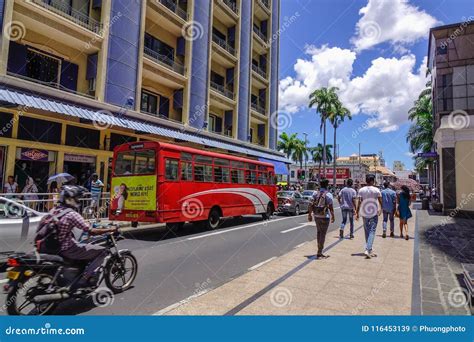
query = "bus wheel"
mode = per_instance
[
  {"x": 174, "y": 226},
  {"x": 269, "y": 212},
  {"x": 134, "y": 224},
  {"x": 214, "y": 219}
]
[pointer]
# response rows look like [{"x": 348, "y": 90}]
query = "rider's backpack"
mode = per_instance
[
  {"x": 319, "y": 205},
  {"x": 46, "y": 239}
]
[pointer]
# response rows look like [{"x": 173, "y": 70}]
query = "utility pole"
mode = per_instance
[{"x": 305, "y": 156}]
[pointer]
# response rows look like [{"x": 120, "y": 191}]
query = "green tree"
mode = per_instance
[
  {"x": 317, "y": 155},
  {"x": 324, "y": 99},
  {"x": 287, "y": 144},
  {"x": 336, "y": 117},
  {"x": 300, "y": 152}
]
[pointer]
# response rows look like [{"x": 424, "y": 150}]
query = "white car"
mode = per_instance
[{"x": 18, "y": 225}]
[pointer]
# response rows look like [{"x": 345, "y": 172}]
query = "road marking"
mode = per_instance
[
  {"x": 264, "y": 223},
  {"x": 303, "y": 225},
  {"x": 2, "y": 281},
  {"x": 261, "y": 263},
  {"x": 181, "y": 302}
]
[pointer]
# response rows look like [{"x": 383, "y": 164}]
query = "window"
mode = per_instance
[
  {"x": 221, "y": 174},
  {"x": 119, "y": 139},
  {"x": 202, "y": 173},
  {"x": 212, "y": 123},
  {"x": 171, "y": 169},
  {"x": 186, "y": 156},
  {"x": 149, "y": 103},
  {"x": 237, "y": 176},
  {"x": 262, "y": 178},
  {"x": 164, "y": 52},
  {"x": 135, "y": 163},
  {"x": 203, "y": 159},
  {"x": 82, "y": 137},
  {"x": 252, "y": 166},
  {"x": 297, "y": 195},
  {"x": 237, "y": 164},
  {"x": 250, "y": 177},
  {"x": 39, "y": 130},
  {"x": 221, "y": 162},
  {"x": 186, "y": 171},
  {"x": 292, "y": 173},
  {"x": 42, "y": 67}
]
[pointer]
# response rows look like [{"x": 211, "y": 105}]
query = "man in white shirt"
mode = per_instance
[
  {"x": 369, "y": 207},
  {"x": 10, "y": 187}
]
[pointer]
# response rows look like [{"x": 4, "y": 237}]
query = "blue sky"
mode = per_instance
[{"x": 375, "y": 56}]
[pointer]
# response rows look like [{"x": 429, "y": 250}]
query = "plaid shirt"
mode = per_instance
[{"x": 66, "y": 224}]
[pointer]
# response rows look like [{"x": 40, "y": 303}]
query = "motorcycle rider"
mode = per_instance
[{"x": 69, "y": 247}]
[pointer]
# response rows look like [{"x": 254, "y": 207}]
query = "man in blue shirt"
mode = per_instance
[
  {"x": 389, "y": 201},
  {"x": 347, "y": 199}
]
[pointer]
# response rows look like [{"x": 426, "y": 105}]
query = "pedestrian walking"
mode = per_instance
[
  {"x": 370, "y": 202},
  {"x": 389, "y": 206},
  {"x": 30, "y": 193},
  {"x": 96, "y": 190},
  {"x": 404, "y": 212},
  {"x": 322, "y": 209},
  {"x": 347, "y": 200}
]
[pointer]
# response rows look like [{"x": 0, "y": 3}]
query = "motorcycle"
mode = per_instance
[{"x": 38, "y": 283}]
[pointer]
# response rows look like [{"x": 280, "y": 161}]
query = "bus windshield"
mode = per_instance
[{"x": 135, "y": 163}]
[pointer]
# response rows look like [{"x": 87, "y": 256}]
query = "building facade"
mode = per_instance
[
  {"x": 79, "y": 77},
  {"x": 451, "y": 62},
  {"x": 398, "y": 166},
  {"x": 371, "y": 160}
]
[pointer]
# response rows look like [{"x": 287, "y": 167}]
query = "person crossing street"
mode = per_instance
[{"x": 347, "y": 199}]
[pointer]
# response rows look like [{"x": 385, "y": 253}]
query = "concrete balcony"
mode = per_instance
[
  {"x": 223, "y": 53},
  {"x": 171, "y": 17},
  {"x": 173, "y": 7},
  {"x": 162, "y": 69},
  {"x": 227, "y": 12},
  {"x": 262, "y": 41},
  {"x": 259, "y": 76},
  {"x": 258, "y": 109},
  {"x": 221, "y": 97}
]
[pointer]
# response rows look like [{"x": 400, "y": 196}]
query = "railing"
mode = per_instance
[
  {"x": 173, "y": 7},
  {"x": 49, "y": 84},
  {"x": 72, "y": 14},
  {"x": 223, "y": 44},
  {"x": 258, "y": 108},
  {"x": 221, "y": 89},
  {"x": 265, "y": 3},
  {"x": 43, "y": 202},
  {"x": 260, "y": 34},
  {"x": 259, "y": 71},
  {"x": 164, "y": 60},
  {"x": 231, "y": 4},
  {"x": 161, "y": 116}
]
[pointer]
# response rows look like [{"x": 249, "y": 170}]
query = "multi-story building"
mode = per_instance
[
  {"x": 371, "y": 160},
  {"x": 398, "y": 166},
  {"x": 79, "y": 77},
  {"x": 451, "y": 62}
]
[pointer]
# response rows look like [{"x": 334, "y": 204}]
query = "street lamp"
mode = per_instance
[{"x": 305, "y": 156}]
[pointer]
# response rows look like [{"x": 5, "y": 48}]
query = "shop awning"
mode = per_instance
[
  {"x": 106, "y": 118},
  {"x": 280, "y": 167}
]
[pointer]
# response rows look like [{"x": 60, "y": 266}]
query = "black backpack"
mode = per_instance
[
  {"x": 319, "y": 205},
  {"x": 46, "y": 239}
]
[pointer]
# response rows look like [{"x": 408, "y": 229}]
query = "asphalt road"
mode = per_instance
[{"x": 173, "y": 267}]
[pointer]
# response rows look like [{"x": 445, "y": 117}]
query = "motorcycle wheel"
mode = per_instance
[
  {"x": 120, "y": 272},
  {"x": 19, "y": 297}
]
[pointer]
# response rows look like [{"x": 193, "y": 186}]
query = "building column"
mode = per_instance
[
  {"x": 448, "y": 178},
  {"x": 246, "y": 35},
  {"x": 200, "y": 64},
  {"x": 6, "y": 15},
  {"x": 274, "y": 60}
]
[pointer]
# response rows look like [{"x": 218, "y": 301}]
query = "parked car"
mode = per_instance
[
  {"x": 292, "y": 202},
  {"x": 308, "y": 194}
]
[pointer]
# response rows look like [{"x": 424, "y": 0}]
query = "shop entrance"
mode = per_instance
[
  {"x": 81, "y": 167},
  {"x": 34, "y": 163}
]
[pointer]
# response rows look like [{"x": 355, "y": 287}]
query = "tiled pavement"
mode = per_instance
[
  {"x": 344, "y": 284},
  {"x": 444, "y": 244}
]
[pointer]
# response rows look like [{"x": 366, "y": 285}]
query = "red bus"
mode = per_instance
[{"x": 159, "y": 182}]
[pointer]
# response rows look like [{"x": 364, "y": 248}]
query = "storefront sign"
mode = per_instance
[
  {"x": 34, "y": 154},
  {"x": 134, "y": 193},
  {"x": 78, "y": 158},
  {"x": 341, "y": 173},
  {"x": 428, "y": 155}
]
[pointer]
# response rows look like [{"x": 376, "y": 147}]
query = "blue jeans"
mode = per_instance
[
  {"x": 370, "y": 227},
  {"x": 389, "y": 215},
  {"x": 345, "y": 214}
]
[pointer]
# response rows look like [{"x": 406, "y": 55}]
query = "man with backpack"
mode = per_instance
[
  {"x": 322, "y": 209},
  {"x": 55, "y": 234}
]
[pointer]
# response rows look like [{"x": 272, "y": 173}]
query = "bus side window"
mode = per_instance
[
  {"x": 199, "y": 173},
  {"x": 171, "y": 169},
  {"x": 237, "y": 176},
  {"x": 186, "y": 171}
]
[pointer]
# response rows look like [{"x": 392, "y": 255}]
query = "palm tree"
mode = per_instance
[
  {"x": 317, "y": 155},
  {"x": 287, "y": 144},
  {"x": 336, "y": 117},
  {"x": 323, "y": 99},
  {"x": 300, "y": 152}
]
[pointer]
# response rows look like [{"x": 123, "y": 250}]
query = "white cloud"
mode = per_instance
[
  {"x": 385, "y": 91},
  {"x": 393, "y": 21}
]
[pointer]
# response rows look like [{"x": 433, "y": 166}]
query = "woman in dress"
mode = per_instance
[
  {"x": 404, "y": 212},
  {"x": 30, "y": 192}
]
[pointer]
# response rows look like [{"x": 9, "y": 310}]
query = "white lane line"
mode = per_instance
[
  {"x": 2, "y": 281},
  {"x": 178, "y": 304},
  {"x": 264, "y": 223},
  {"x": 254, "y": 267},
  {"x": 303, "y": 225},
  {"x": 300, "y": 245}
]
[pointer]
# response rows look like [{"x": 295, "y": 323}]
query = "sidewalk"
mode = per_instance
[
  {"x": 444, "y": 244},
  {"x": 344, "y": 284}
]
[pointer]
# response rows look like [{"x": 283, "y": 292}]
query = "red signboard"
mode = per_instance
[
  {"x": 34, "y": 154},
  {"x": 341, "y": 172}
]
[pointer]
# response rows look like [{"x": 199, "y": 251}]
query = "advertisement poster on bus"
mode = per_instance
[{"x": 134, "y": 193}]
